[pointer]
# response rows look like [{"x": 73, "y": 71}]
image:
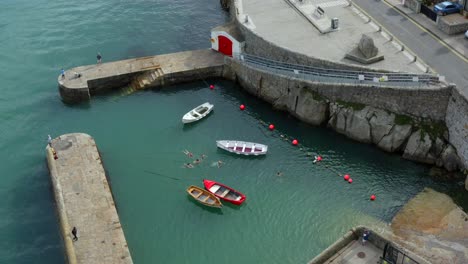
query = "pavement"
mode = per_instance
[
  {"x": 280, "y": 23},
  {"x": 356, "y": 253}
]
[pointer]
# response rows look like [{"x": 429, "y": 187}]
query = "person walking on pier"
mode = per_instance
[
  {"x": 74, "y": 232},
  {"x": 99, "y": 58},
  {"x": 49, "y": 140},
  {"x": 62, "y": 72}
]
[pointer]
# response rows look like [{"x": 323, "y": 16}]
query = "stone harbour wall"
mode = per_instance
[{"x": 406, "y": 120}]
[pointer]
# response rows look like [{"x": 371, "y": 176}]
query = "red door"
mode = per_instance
[{"x": 225, "y": 45}]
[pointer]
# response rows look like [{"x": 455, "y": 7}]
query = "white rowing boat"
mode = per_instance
[
  {"x": 197, "y": 113},
  {"x": 241, "y": 147}
]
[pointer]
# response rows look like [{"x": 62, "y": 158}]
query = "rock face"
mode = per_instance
[
  {"x": 450, "y": 159},
  {"x": 367, "y": 47},
  {"x": 434, "y": 227},
  {"x": 353, "y": 124},
  {"x": 418, "y": 148},
  {"x": 310, "y": 107}
]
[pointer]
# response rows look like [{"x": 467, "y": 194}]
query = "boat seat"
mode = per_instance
[
  {"x": 224, "y": 193},
  {"x": 214, "y": 188},
  {"x": 243, "y": 148}
]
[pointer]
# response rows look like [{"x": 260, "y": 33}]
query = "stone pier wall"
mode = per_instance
[
  {"x": 284, "y": 91},
  {"x": 84, "y": 200}
]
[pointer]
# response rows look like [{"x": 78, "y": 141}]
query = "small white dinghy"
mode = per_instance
[
  {"x": 197, "y": 113},
  {"x": 241, "y": 147}
]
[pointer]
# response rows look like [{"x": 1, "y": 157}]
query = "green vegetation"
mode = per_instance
[
  {"x": 433, "y": 129},
  {"x": 403, "y": 120},
  {"x": 354, "y": 106}
]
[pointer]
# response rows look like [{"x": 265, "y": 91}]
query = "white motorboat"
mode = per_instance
[
  {"x": 241, "y": 147},
  {"x": 197, "y": 113}
]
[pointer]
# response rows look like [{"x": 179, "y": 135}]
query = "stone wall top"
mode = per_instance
[{"x": 84, "y": 200}]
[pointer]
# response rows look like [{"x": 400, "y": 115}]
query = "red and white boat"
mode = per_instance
[
  {"x": 224, "y": 192},
  {"x": 241, "y": 147}
]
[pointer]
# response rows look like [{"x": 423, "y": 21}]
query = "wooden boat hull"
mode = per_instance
[
  {"x": 197, "y": 113},
  {"x": 224, "y": 192},
  {"x": 204, "y": 197},
  {"x": 242, "y": 147}
]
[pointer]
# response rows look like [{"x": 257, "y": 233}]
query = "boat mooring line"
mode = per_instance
[{"x": 158, "y": 174}]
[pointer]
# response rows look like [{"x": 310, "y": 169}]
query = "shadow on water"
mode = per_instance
[
  {"x": 204, "y": 207},
  {"x": 190, "y": 126}
]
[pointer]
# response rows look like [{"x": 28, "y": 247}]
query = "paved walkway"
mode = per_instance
[
  {"x": 356, "y": 253},
  {"x": 84, "y": 200},
  {"x": 284, "y": 26},
  {"x": 457, "y": 42}
]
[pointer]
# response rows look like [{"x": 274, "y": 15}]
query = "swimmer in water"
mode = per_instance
[
  {"x": 188, "y": 165},
  {"x": 219, "y": 163},
  {"x": 196, "y": 161},
  {"x": 188, "y": 153},
  {"x": 279, "y": 174},
  {"x": 203, "y": 156}
]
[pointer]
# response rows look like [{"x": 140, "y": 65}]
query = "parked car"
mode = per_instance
[
  {"x": 466, "y": 34},
  {"x": 447, "y": 7}
]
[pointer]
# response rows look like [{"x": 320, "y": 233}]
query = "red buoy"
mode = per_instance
[
  {"x": 242, "y": 107},
  {"x": 211, "y": 87},
  {"x": 372, "y": 197},
  {"x": 319, "y": 158},
  {"x": 295, "y": 142},
  {"x": 271, "y": 127},
  {"x": 350, "y": 180},
  {"x": 346, "y": 177}
]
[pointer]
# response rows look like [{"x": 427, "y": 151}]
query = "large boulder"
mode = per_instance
[
  {"x": 311, "y": 108},
  {"x": 418, "y": 148},
  {"x": 367, "y": 47},
  {"x": 357, "y": 125},
  {"x": 381, "y": 123},
  {"x": 450, "y": 159},
  {"x": 352, "y": 123},
  {"x": 395, "y": 139}
]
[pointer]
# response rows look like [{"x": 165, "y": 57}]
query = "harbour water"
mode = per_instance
[{"x": 286, "y": 219}]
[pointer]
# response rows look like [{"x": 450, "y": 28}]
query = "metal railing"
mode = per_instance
[{"x": 336, "y": 75}]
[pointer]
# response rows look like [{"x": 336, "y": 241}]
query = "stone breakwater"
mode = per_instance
[
  {"x": 80, "y": 83},
  {"x": 84, "y": 200}
]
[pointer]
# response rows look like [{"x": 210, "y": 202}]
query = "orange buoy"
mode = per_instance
[
  {"x": 295, "y": 142},
  {"x": 271, "y": 127},
  {"x": 350, "y": 180},
  {"x": 346, "y": 177},
  {"x": 242, "y": 107},
  {"x": 211, "y": 87},
  {"x": 372, "y": 197}
]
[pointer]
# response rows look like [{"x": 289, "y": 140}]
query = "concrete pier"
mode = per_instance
[
  {"x": 80, "y": 83},
  {"x": 84, "y": 200}
]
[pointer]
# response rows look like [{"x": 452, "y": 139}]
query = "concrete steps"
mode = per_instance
[{"x": 144, "y": 81}]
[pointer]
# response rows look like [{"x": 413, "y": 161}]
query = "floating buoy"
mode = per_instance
[
  {"x": 372, "y": 197},
  {"x": 295, "y": 142},
  {"x": 242, "y": 107},
  {"x": 211, "y": 87},
  {"x": 346, "y": 177},
  {"x": 319, "y": 158},
  {"x": 350, "y": 180},
  {"x": 271, "y": 127}
]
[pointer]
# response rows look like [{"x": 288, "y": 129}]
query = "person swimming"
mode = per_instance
[
  {"x": 188, "y": 165},
  {"x": 219, "y": 163},
  {"x": 188, "y": 153},
  {"x": 196, "y": 161}
]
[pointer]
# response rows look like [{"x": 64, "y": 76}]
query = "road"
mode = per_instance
[{"x": 427, "y": 47}]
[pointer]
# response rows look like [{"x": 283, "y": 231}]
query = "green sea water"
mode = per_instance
[{"x": 286, "y": 219}]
